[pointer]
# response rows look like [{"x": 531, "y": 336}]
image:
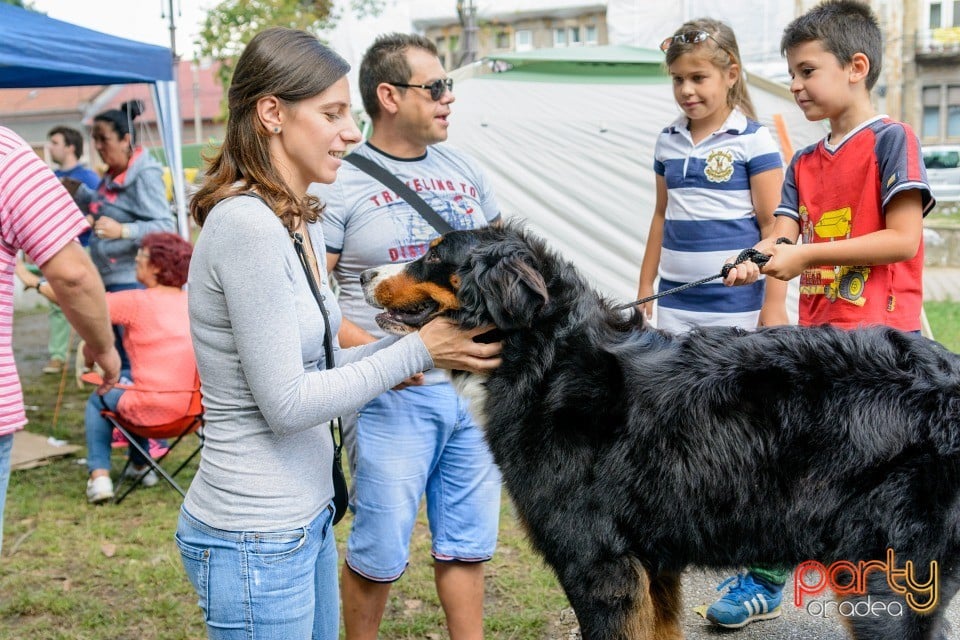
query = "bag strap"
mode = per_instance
[{"x": 377, "y": 172}]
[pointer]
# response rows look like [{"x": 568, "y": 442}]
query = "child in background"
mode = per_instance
[
  {"x": 718, "y": 181},
  {"x": 857, "y": 197}
]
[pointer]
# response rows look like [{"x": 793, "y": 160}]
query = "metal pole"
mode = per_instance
[
  {"x": 469, "y": 46},
  {"x": 173, "y": 32}
]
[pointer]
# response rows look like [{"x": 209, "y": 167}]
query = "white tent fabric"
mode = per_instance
[
  {"x": 166, "y": 98},
  {"x": 573, "y": 158}
]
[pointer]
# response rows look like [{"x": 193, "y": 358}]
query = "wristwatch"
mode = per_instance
[
  {"x": 125, "y": 231},
  {"x": 40, "y": 282}
]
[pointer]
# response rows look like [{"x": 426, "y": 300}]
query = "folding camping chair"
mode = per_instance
[{"x": 177, "y": 430}]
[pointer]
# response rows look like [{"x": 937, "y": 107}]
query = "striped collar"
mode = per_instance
[{"x": 735, "y": 124}]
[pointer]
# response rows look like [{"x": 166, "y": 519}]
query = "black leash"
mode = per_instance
[{"x": 751, "y": 255}]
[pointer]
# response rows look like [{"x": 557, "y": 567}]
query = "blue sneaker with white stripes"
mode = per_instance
[{"x": 748, "y": 599}]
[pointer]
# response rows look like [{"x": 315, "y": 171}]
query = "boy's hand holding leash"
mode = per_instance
[{"x": 780, "y": 259}]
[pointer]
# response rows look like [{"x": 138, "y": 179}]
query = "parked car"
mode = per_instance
[{"x": 943, "y": 170}]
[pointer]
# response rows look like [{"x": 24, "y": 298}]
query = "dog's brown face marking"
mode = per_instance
[
  {"x": 404, "y": 292},
  {"x": 414, "y": 293}
]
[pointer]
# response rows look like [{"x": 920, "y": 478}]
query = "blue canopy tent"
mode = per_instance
[{"x": 37, "y": 51}]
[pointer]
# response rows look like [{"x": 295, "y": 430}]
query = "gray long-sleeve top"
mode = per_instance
[{"x": 258, "y": 337}]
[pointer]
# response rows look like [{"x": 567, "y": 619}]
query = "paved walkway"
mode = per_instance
[{"x": 941, "y": 283}]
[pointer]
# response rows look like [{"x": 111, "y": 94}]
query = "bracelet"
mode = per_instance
[
  {"x": 40, "y": 282},
  {"x": 125, "y": 231}
]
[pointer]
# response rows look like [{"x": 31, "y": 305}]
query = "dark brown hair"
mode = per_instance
[
  {"x": 71, "y": 138},
  {"x": 121, "y": 120},
  {"x": 291, "y": 65},
  {"x": 842, "y": 27},
  {"x": 171, "y": 255},
  {"x": 722, "y": 51},
  {"x": 386, "y": 61}
]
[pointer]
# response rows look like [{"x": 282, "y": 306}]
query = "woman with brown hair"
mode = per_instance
[{"x": 255, "y": 530}]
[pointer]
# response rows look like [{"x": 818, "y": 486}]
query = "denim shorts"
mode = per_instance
[
  {"x": 421, "y": 440},
  {"x": 272, "y": 585}
]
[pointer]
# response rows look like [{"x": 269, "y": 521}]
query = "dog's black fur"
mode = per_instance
[{"x": 631, "y": 454}]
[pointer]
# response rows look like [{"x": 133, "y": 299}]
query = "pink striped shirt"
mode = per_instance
[{"x": 36, "y": 215}]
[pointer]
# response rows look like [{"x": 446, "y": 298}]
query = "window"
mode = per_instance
[
  {"x": 454, "y": 43},
  {"x": 956, "y": 13},
  {"x": 590, "y": 33},
  {"x": 523, "y": 40},
  {"x": 936, "y": 9},
  {"x": 573, "y": 34},
  {"x": 503, "y": 40},
  {"x": 559, "y": 37},
  {"x": 953, "y": 111},
  {"x": 931, "y": 112}
]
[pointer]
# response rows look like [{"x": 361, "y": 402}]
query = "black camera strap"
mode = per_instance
[{"x": 379, "y": 173}]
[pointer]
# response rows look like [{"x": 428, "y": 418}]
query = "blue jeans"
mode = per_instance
[
  {"x": 6, "y": 449},
  {"x": 276, "y": 585},
  {"x": 99, "y": 432},
  {"x": 421, "y": 440}
]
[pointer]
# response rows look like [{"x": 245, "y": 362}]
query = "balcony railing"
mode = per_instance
[{"x": 939, "y": 42}]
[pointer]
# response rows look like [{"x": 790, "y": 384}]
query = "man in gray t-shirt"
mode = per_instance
[{"x": 418, "y": 438}]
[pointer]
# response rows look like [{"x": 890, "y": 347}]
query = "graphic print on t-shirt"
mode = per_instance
[
  {"x": 839, "y": 282},
  {"x": 413, "y": 233}
]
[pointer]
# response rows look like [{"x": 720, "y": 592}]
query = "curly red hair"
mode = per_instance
[{"x": 171, "y": 255}]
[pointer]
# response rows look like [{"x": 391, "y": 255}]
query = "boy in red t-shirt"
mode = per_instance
[
  {"x": 858, "y": 196},
  {"x": 856, "y": 199}
]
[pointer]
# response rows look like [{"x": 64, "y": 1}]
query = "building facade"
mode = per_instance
[
  {"x": 518, "y": 30},
  {"x": 932, "y": 83}
]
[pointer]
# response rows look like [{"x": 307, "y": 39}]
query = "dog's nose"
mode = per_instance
[{"x": 367, "y": 275}]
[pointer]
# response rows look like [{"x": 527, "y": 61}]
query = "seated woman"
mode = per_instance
[{"x": 156, "y": 336}]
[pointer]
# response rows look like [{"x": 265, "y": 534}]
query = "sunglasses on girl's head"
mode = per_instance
[
  {"x": 436, "y": 88},
  {"x": 688, "y": 37}
]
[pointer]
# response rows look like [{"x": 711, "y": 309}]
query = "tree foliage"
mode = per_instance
[{"x": 231, "y": 24}]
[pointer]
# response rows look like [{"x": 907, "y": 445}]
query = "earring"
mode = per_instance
[{"x": 276, "y": 129}]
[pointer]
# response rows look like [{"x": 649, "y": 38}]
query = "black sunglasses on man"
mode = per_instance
[{"x": 437, "y": 88}]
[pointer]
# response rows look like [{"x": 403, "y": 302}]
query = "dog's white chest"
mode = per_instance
[{"x": 473, "y": 388}]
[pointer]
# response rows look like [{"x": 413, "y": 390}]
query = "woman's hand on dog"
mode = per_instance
[{"x": 454, "y": 348}]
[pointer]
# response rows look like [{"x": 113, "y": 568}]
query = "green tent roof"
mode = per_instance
[{"x": 609, "y": 63}]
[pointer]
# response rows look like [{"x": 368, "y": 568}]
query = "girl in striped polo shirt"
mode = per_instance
[{"x": 718, "y": 180}]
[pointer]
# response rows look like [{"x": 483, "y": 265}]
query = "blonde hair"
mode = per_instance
[{"x": 722, "y": 51}]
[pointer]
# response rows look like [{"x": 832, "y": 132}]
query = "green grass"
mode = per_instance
[
  {"x": 944, "y": 319},
  {"x": 72, "y": 571}
]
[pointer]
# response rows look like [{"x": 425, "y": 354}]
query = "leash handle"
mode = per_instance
[
  {"x": 751, "y": 255},
  {"x": 747, "y": 255}
]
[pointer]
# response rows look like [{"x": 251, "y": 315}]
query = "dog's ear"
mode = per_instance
[{"x": 502, "y": 285}]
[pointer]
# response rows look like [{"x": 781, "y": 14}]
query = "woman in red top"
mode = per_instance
[{"x": 156, "y": 336}]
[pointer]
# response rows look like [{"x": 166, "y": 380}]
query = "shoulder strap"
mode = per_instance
[{"x": 377, "y": 172}]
